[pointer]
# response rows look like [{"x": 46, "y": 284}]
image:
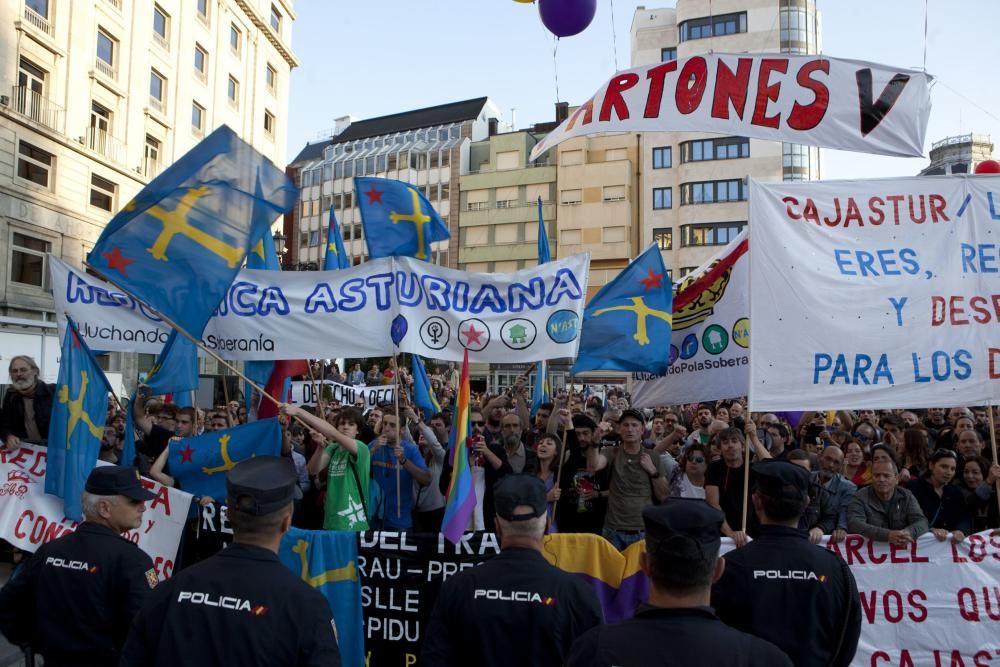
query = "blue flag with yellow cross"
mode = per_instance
[
  {"x": 397, "y": 218},
  {"x": 627, "y": 325},
  {"x": 336, "y": 256},
  {"x": 180, "y": 242},
  {"x": 76, "y": 426}
]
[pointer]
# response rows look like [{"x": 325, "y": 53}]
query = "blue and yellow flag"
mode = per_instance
[
  {"x": 423, "y": 395},
  {"x": 178, "y": 245},
  {"x": 544, "y": 254},
  {"x": 336, "y": 257},
  {"x": 542, "y": 394},
  {"x": 327, "y": 561},
  {"x": 176, "y": 369},
  {"x": 397, "y": 218},
  {"x": 627, "y": 325},
  {"x": 263, "y": 257},
  {"x": 79, "y": 410},
  {"x": 199, "y": 464}
]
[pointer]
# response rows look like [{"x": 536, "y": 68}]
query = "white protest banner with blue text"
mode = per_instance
[
  {"x": 432, "y": 311},
  {"x": 875, "y": 294}
]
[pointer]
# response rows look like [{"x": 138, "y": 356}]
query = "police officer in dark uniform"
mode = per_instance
[
  {"x": 242, "y": 606},
  {"x": 677, "y": 627},
  {"x": 799, "y": 596},
  {"x": 516, "y": 609},
  {"x": 74, "y": 600}
]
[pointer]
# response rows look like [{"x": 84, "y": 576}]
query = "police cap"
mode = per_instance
[
  {"x": 513, "y": 491},
  {"x": 691, "y": 526},
  {"x": 117, "y": 481},
  {"x": 261, "y": 485},
  {"x": 781, "y": 479}
]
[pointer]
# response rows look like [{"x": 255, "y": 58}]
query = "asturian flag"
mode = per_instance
[{"x": 397, "y": 218}]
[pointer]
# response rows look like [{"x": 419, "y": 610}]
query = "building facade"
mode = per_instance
[
  {"x": 96, "y": 98},
  {"x": 959, "y": 154},
  {"x": 428, "y": 148},
  {"x": 695, "y": 186}
]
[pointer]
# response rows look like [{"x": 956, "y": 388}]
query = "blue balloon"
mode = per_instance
[{"x": 565, "y": 18}]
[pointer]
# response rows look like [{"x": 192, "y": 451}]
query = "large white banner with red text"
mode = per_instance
[
  {"x": 29, "y": 517},
  {"x": 709, "y": 349},
  {"x": 875, "y": 294},
  {"x": 821, "y": 101}
]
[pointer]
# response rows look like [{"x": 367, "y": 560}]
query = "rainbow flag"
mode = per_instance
[{"x": 461, "y": 498}]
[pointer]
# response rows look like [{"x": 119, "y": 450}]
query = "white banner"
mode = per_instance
[
  {"x": 29, "y": 517},
  {"x": 305, "y": 393},
  {"x": 820, "y": 101},
  {"x": 875, "y": 294},
  {"x": 528, "y": 315},
  {"x": 709, "y": 355}
]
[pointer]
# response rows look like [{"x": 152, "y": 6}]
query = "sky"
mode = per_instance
[{"x": 369, "y": 59}]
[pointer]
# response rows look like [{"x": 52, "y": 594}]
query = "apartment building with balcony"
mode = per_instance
[
  {"x": 96, "y": 98},
  {"x": 695, "y": 186}
]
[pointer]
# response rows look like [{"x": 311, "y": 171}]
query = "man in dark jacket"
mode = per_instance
[{"x": 27, "y": 405}]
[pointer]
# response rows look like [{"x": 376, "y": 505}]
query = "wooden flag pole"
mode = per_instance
[
  {"x": 993, "y": 444},
  {"x": 319, "y": 399},
  {"x": 225, "y": 396},
  {"x": 746, "y": 486},
  {"x": 562, "y": 448}
]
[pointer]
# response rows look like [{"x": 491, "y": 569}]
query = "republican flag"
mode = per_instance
[
  {"x": 397, "y": 219},
  {"x": 627, "y": 325},
  {"x": 461, "y": 497},
  {"x": 279, "y": 385},
  {"x": 336, "y": 257},
  {"x": 79, "y": 410},
  {"x": 423, "y": 395},
  {"x": 180, "y": 242}
]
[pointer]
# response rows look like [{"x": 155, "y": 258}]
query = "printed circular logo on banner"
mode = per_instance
[
  {"x": 715, "y": 339},
  {"x": 473, "y": 334},
  {"x": 741, "y": 332},
  {"x": 435, "y": 332},
  {"x": 563, "y": 326},
  {"x": 674, "y": 353},
  {"x": 689, "y": 347},
  {"x": 518, "y": 333}
]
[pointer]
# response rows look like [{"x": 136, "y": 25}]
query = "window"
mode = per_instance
[
  {"x": 271, "y": 78},
  {"x": 100, "y": 127},
  {"x": 29, "y": 97},
  {"x": 275, "y": 19},
  {"x": 269, "y": 122},
  {"x": 571, "y": 196},
  {"x": 798, "y": 30},
  {"x": 40, "y": 7},
  {"x": 713, "y": 233},
  {"x": 34, "y": 164},
  {"x": 614, "y": 193},
  {"x": 663, "y": 237},
  {"x": 152, "y": 156},
  {"x": 27, "y": 255},
  {"x": 203, "y": 10},
  {"x": 796, "y": 162},
  {"x": 156, "y": 89},
  {"x": 200, "y": 61},
  {"x": 106, "y": 47},
  {"x": 197, "y": 118},
  {"x": 235, "y": 38},
  {"x": 160, "y": 21},
  {"x": 233, "y": 91},
  {"x": 614, "y": 235},
  {"x": 102, "y": 193},
  {"x": 663, "y": 157},
  {"x": 726, "y": 148},
  {"x": 713, "y": 26},
  {"x": 663, "y": 198},
  {"x": 668, "y": 53},
  {"x": 710, "y": 192}
]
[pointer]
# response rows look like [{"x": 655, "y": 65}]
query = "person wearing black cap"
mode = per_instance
[
  {"x": 74, "y": 599},
  {"x": 241, "y": 606},
  {"x": 677, "y": 627},
  {"x": 799, "y": 596},
  {"x": 515, "y": 609}
]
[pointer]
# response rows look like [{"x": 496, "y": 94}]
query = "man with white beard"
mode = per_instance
[{"x": 27, "y": 405}]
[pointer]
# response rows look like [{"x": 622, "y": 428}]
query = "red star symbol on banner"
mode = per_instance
[
  {"x": 374, "y": 196},
  {"x": 652, "y": 280},
  {"x": 75, "y": 340},
  {"x": 186, "y": 454},
  {"x": 117, "y": 261},
  {"x": 472, "y": 336}
]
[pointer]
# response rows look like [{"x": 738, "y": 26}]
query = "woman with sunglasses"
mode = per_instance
[
  {"x": 941, "y": 501},
  {"x": 688, "y": 479}
]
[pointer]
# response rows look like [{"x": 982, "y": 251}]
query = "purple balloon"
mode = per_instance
[{"x": 565, "y": 18}]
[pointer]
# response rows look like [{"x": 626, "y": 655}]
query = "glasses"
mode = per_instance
[
  {"x": 862, "y": 437},
  {"x": 696, "y": 459},
  {"x": 475, "y": 423}
]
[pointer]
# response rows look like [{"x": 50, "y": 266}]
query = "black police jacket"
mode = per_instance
[
  {"x": 514, "y": 610},
  {"x": 74, "y": 600},
  {"x": 239, "y": 607},
  {"x": 798, "y": 596},
  {"x": 659, "y": 637}
]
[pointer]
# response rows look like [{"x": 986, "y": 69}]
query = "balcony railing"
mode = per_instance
[
  {"x": 37, "y": 20},
  {"x": 32, "y": 105},
  {"x": 106, "y": 69},
  {"x": 101, "y": 141},
  {"x": 151, "y": 168}
]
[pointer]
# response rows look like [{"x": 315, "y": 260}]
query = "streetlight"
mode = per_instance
[{"x": 279, "y": 244}]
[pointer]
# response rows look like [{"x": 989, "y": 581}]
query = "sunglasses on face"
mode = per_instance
[{"x": 696, "y": 459}]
